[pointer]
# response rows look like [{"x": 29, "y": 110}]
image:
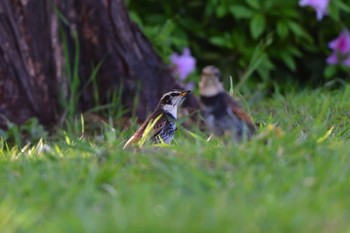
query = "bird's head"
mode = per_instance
[
  {"x": 210, "y": 84},
  {"x": 171, "y": 100}
]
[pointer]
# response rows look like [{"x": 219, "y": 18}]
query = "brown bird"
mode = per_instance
[
  {"x": 222, "y": 113},
  {"x": 166, "y": 113}
]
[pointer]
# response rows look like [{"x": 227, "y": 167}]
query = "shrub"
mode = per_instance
[{"x": 268, "y": 40}]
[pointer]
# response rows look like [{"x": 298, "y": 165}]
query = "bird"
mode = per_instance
[
  {"x": 223, "y": 114},
  {"x": 166, "y": 115}
]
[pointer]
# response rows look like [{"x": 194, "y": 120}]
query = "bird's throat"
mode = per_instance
[
  {"x": 171, "y": 110},
  {"x": 211, "y": 90}
]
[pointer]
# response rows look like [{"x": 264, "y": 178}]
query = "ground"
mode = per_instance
[{"x": 292, "y": 177}]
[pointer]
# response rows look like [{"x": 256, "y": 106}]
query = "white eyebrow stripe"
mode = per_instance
[{"x": 168, "y": 93}]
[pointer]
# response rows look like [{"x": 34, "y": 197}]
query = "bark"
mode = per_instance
[
  {"x": 32, "y": 77},
  {"x": 27, "y": 67}
]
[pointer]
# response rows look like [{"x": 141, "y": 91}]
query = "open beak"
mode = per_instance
[{"x": 184, "y": 93}]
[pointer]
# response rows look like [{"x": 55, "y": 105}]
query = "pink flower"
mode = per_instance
[
  {"x": 341, "y": 49},
  {"x": 320, "y": 6},
  {"x": 183, "y": 64}
]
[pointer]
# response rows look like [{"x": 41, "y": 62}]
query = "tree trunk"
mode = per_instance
[
  {"x": 33, "y": 66},
  {"x": 28, "y": 69}
]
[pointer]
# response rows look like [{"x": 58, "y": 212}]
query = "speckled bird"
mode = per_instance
[{"x": 164, "y": 129}]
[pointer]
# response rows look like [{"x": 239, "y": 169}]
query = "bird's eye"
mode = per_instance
[
  {"x": 174, "y": 94},
  {"x": 166, "y": 99}
]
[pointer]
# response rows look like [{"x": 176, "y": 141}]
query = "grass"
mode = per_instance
[{"x": 293, "y": 177}]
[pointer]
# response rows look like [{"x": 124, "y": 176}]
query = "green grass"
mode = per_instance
[{"x": 294, "y": 177}]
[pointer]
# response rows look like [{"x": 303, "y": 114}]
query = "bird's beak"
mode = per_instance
[{"x": 184, "y": 93}]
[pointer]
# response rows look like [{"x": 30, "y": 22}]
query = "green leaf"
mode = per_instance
[
  {"x": 257, "y": 25},
  {"x": 288, "y": 60},
  {"x": 298, "y": 30},
  {"x": 165, "y": 31},
  {"x": 218, "y": 40},
  {"x": 253, "y": 3},
  {"x": 265, "y": 67},
  {"x": 294, "y": 51},
  {"x": 333, "y": 12},
  {"x": 343, "y": 6},
  {"x": 224, "y": 41},
  {"x": 241, "y": 12},
  {"x": 221, "y": 11},
  {"x": 282, "y": 29},
  {"x": 330, "y": 71}
]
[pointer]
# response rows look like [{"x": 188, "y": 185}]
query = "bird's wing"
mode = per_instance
[
  {"x": 239, "y": 112},
  {"x": 156, "y": 129},
  {"x": 131, "y": 140},
  {"x": 135, "y": 137},
  {"x": 159, "y": 125}
]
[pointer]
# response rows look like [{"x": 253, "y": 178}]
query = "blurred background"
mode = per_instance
[
  {"x": 259, "y": 43},
  {"x": 111, "y": 61}
]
